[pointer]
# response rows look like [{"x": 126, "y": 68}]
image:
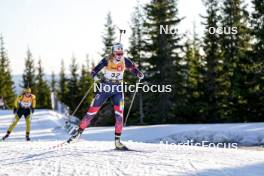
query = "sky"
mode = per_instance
[{"x": 58, "y": 29}]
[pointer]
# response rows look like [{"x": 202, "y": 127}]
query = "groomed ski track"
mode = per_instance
[{"x": 94, "y": 155}]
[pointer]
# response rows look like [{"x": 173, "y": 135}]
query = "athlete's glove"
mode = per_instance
[
  {"x": 96, "y": 78},
  {"x": 15, "y": 110},
  {"x": 140, "y": 75},
  {"x": 32, "y": 110}
]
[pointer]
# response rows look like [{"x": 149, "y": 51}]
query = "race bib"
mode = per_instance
[
  {"x": 25, "y": 104},
  {"x": 113, "y": 75},
  {"x": 114, "y": 71}
]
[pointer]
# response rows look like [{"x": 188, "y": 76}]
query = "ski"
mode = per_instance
[
  {"x": 60, "y": 145},
  {"x": 123, "y": 149},
  {"x": 126, "y": 150},
  {"x": 64, "y": 143}
]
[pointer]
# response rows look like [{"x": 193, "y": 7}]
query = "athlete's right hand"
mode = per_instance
[{"x": 15, "y": 110}]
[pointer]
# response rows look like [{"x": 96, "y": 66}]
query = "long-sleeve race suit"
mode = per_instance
[{"x": 114, "y": 72}]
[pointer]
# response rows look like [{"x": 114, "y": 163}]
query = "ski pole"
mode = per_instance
[
  {"x": 132, "y": 101},
  {"x": 86, "y": 94}
]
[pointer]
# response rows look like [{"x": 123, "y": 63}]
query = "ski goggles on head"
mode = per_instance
[{"x": 119, "y": 53}]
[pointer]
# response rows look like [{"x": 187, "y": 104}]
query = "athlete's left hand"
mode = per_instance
[
  {"x": 96, "y": 78},
  {"x": 32, "y": 110}
]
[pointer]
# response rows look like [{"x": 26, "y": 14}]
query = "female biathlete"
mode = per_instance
[
  {"x": 115, "y": 66},
  {"x": 24, "y": 106}
]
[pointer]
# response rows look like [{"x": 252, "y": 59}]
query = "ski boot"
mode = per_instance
[
  {"x": 75, "y": 135},
  {"x": 27, "y": 137},
  {"x": 119, "y": 145},
  {"x": 6, "y": 136}
]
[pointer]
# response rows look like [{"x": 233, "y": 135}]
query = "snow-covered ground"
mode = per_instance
[{"x": 94, "y": 154}]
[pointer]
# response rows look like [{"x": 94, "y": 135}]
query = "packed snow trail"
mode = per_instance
[
  {"x": 98, "y": 158},
  {"x": 94, "y": 154}
]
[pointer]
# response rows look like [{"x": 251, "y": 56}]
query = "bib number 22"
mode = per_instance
[{"x": 115, "y": 75}]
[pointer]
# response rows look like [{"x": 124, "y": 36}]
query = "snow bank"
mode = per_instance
[
  {"x": 243, "y": 134},
  {"x": 49, "y": 125},
  {"x": 45, "y": 125}
]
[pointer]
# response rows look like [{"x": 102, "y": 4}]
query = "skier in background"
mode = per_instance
[
  {"x": 115, "y": 66},
  {"x": 2, "y": 103},
  {"x": 24, "y": 105}
]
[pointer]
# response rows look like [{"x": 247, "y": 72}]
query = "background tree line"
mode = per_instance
[{"x": 215, "y": 77}]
